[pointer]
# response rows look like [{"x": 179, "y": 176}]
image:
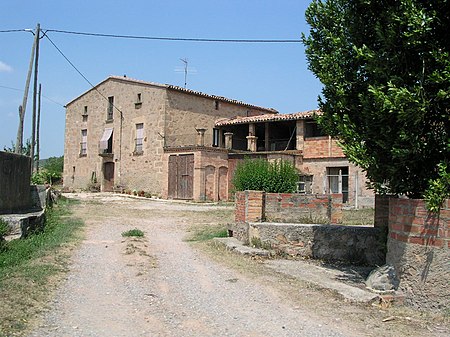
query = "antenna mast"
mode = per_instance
[{"x": 185, "y": 61}]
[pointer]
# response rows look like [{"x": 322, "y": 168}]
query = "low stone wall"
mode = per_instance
[
  {"x": 256, "y": 213},
  {"x": 32, "y": 219},
  {"x": 334, "y": 243},
  {"x": 15, "y": 175},
  {"x": 253, "y": 206},
  {"x": 419, "y": 249}
]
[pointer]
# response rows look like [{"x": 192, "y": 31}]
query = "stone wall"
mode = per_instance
[
  {"x": 15, "y": 174},
  {"x": 347, "y": 244},
  {"x": 333, "y": 243},
  {"x": 419, "y": 248}
]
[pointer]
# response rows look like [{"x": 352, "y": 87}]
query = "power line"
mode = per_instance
[
  {"x": 139, "y": 37},
  {"x": 21, "y": 90},
  {"x": 81, "y": 74},
  {"x": 13, "y": 30}
]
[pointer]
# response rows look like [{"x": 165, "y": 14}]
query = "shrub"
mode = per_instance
[
  {"x": 258, "y": 174},
  {"x": 45, "y": 177},
  {"x": 133, "y": 232}
]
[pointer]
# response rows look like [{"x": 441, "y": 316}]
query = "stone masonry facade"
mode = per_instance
[{"x": 145, "y": 118}]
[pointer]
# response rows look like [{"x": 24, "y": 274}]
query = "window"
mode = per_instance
[
  {"x": 85, "y": 113},
  {"x": 138, "y": 103},
  {"x": 216, "y": 134},
  {"x": 110, "y": 114},
  {"x": 337, "y": 181},
  {"x": 83, "y": 144},
  {"x": 139, "y": 148},
  {"x": 106, "y": 142},
  {"x": 312, "y": 129},
  {"x": 216, "y": 104},
  {"x": 304, "y": 184}
]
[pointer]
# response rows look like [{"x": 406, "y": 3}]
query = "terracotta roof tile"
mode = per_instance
[{"x": 268, "y": 118}]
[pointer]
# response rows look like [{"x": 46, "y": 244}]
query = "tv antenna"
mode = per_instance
[{"x": 186, "y": 70}]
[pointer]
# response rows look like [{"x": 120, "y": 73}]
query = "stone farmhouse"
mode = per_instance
[
  {"x": 117, "y": 132},
  {"x": 183, "y": 144}
]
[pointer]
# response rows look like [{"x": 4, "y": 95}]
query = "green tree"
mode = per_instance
[
  {"x": 385, "y": 69},
  {"x": 54, "y": 164}
]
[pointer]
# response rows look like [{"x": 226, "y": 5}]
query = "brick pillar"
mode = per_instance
[
  {"x": 254, "y": 206},
  {"x": 381, "y": 217},
  {"x": 300, "y": 135},
  {"x": 200, "y": 136},
  {"x": 249, "y": 206},
  {"x": 228, "y": 140}
]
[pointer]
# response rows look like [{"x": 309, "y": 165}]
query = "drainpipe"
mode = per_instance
[{"x": 119, "y": 173}]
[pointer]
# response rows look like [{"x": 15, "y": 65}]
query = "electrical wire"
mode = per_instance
[
  {"x": 81, "y": 74},
  {"x": 13, "y": 30},
  {"x": 21, "y": 90},
  {"x": 138, "y": 37}
]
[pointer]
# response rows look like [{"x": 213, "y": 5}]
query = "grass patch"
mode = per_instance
[
  {"x": 358, "y": 217},
  {"x": 133, "y": 232},
  {"x": 31, "y": 267},
  {"x": 206, "y": 232}
]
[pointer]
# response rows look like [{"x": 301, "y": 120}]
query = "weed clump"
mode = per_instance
[{"x": 133, "y": 232}]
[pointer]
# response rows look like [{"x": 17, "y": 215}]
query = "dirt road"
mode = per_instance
[{"x": 160, "y": 286}]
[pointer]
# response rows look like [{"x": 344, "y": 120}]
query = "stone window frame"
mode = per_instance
[
  {"x": 110, "y": 110},
  {"x": 139, "y": 141},
  {"x": 83, "y": 143}
]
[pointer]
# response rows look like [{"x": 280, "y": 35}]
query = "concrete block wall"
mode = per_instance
[
  {"x": 419, "y": 248},
  {"x": 15, "y": 175}
]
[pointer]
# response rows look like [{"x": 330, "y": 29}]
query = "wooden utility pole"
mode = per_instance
[
  {"x": 35, "y": 89},
  {"x": 19, "y": 139},
  {"x": 38, "y": 126},
  {"x": 23, "y": 107}
]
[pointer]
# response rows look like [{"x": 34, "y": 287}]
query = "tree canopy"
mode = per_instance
[{"x": 385, "y": 68}]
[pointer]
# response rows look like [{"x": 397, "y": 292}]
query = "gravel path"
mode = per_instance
[{"x": 159, "y": 285}]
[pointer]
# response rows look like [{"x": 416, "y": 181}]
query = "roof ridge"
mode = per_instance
[{"x": 175, "y": 88}]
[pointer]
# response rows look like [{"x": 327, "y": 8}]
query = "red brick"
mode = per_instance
[
  {"x": 434, "y": 242},
  {"x": 416, "y": 240}
]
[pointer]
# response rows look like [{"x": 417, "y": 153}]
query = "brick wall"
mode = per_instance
[
  {"x": 253, "y": 206},
  {"x": 321, "y": 147},
  {"x": 409, "y": 221},
  {"x": 418, "y": 247}
]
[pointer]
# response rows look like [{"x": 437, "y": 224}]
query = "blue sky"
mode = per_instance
[{"x": 269, "y": 75}]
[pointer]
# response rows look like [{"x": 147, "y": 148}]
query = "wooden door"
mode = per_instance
[
  {"x": 173, "y": 177},
  {"x": 185, "y": 176},
  {"x": 108, "y": 177},
  {"x": 181, "y": 176}
]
